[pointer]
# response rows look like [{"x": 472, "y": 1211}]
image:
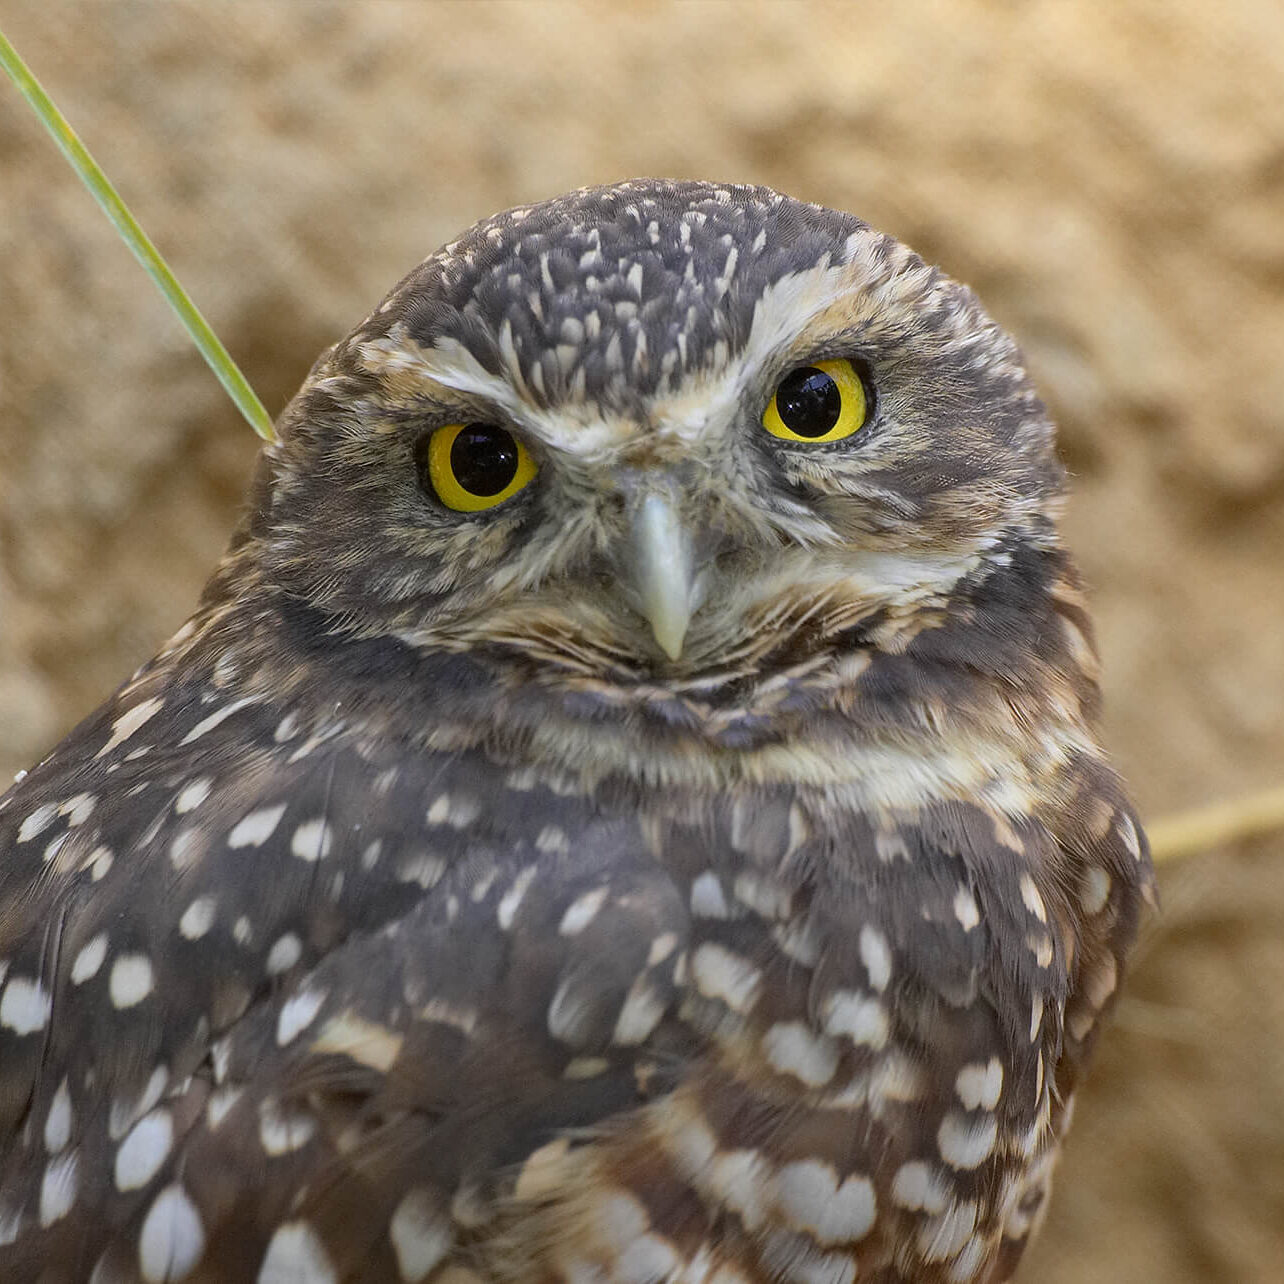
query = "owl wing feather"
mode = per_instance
[
  {"x": 333, "y": 1006},
  {"x": 161, "y": 893}
]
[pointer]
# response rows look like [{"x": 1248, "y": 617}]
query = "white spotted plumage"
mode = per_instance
[{"x": 449, "y": 902}]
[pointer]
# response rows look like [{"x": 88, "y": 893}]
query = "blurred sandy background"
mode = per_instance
[{"x": 1109, "y": 175}]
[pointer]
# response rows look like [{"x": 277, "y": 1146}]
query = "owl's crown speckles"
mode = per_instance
[{"x": 613, "y": 293}]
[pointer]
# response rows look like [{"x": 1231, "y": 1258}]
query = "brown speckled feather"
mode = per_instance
[{"x": 414, "y": 916}]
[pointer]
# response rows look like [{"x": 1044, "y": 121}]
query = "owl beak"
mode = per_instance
[{"x": 662, "y": 570}]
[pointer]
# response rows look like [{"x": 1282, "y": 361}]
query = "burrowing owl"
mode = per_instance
[{"x": 625, "y": 809}]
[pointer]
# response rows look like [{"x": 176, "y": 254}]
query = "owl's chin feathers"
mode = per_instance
[
  {"x": 763, "y": 617},
  {"x": 768, "y": 654}
]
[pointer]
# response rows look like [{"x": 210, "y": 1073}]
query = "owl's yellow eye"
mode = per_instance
[
  {"x": 823, "y": 402},
  {"x": 473, "y": 467}
]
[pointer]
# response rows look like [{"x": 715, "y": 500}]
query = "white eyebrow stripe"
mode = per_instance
[
  {"x": 447, "y": 365},
  {"x": 787, "y": 309},
  {"x": 575, "y": 428},
  {"x": 708, "y": 402},
  {"x": 702, "y": 409}
]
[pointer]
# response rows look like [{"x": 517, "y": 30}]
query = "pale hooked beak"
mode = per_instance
[{"x": 662, "y": 565}]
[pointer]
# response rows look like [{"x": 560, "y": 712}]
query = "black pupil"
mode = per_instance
[
  {"x": 808, "y": 402},
  {"x": 483, "y": 459}
]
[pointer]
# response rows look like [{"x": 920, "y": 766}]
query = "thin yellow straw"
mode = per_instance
[
  {"x": 216, "y": 355},
  {"x": 1203, "y": 827}
]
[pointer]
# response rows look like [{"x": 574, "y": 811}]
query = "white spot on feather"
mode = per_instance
[
  {"x": 619, "y": 1219},
  {"x": 172, "y": 1240},
  {"x": 1032, "y": 899},
  {"x": 192, "y": 795},
  {"x": 876, "y": 956},
  {"x": 145, "y": 1149},
  {"x": 967, "y": 1265},
  {"x": 458, "y": 812},
  {"x": 287, "y": 728},
  {"x": 707, "y": 898},
  {"x": 221, "y": 1101},
  {"x": 197, "y": 918},
  {"x": 980, "y": 1084},
  {"x": 720, "y": 974},
  {"x": 1100, "y": 982},
  {"x": 125, "y": 1112},
  {"x": 541, "y": 1174},
  {"x": 582, "y": 911},
  {"x": 312, "y": 839},
  {"x": 764, "y": 896},
  {"x": 742, "y": 1180},
  {"x": 661, "y": 948},
  {"x": 858, "y": 1017},
  {"x": 297, "y": 1014},
  {"x": 799, "y": 940},
  {"x": 89, "y": 959},
  {"x": 78, "y": 809},
  {"x": 184, "y": 849},
  {"x": 1127, "y": 831},
  {"x": 58, "y": 1188},
  {"x": 99, "y": 862},
  {"x": 55, "y": 846},
  {"x": 510, "y": 902},
  {"x": 59, "y": 1120},
  {"x": 37, "y": 822},
  {"x": 256, "y": 828},
  {"x": 965, "y": 909},
  {"x": 650, "y": 1257},
  {"x": 1040, "y": 945},
  {"x": 423, "y": 868},
  {"x": 283, "y": 1131},
  {"x": 131, "y": 981},
  {"x": 793, "y": 1048},
  {"x": 947, "y": 1233},
  {"x": 129, "y": 722},
  {"x": 296, "y": 1255},
  {"x": 570, "y": 1013},
  {"x": 26, "y": 1005},
  {"x": 11, "y": 1219},
  {"x": 209, "y": 723},
  {"x": 809, "y": 1195},
  {"x": 966, "y": 1143},
  {"x": 284, "y": 954},
  {"x": 420, "y": 1235},
  {"x": 552, "y": 840},
  {"x": 1096, "y": 890},
  {"x": 639, "y": 1014},
  {"x": 918, "y": 1187}
]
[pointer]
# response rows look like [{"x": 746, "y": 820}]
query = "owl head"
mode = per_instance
[{"x": 660, "y": 430}]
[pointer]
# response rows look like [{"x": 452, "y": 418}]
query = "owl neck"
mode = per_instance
[{"x": 1002, "y": 678}]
